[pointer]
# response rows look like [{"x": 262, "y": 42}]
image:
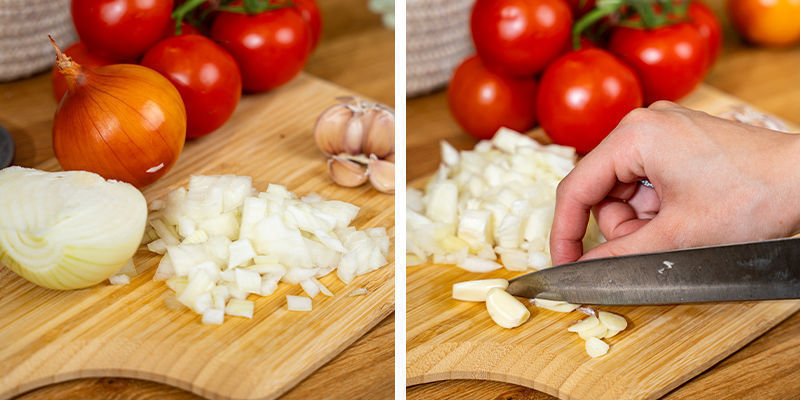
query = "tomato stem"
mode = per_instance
[
  {"x": 603, "y": 8},
  {"x": 180, "y": 13}
]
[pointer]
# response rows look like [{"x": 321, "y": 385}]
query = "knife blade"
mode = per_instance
[{"x": 747, "y": 271}]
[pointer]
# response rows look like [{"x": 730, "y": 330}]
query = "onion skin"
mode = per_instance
[
  {"x": 118, "y": 121},
  {"x": 81, "y": 53}
]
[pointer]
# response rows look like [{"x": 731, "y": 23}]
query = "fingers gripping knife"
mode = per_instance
[{"x": 747, "y": 271}]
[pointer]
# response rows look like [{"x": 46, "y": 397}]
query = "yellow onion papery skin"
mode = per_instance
[{"x": 124, "y": 122}]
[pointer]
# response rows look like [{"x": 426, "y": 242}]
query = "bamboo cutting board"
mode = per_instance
[
  {"x": 663, "y": 346},
  {"x": 49, "y": 336}
]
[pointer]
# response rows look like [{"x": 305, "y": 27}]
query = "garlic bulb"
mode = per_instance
[
  {"x": 67, "y": 230},
  {"x": 359, "y": 138}
]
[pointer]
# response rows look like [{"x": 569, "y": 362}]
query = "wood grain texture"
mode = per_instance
[
  {"x": 356, "y": 52},
  {"x": 50, "y": 336},
  {"x": 663, "y": 347}
]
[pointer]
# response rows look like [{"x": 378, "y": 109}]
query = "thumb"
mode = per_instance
[{"x": 651, "y": 237}]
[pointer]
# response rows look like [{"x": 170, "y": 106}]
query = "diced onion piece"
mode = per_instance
[
  {"x": 119, "y": 279},
  {"x": 213, "y": 316},
  {"x": 158, "y": 246},
  {"x": 596, "y": 347},
  {"x": 311, "y": 288},
  {"x": 598, "y": 331},
  {"x": 241, "y": 252},
  {"x": 322, "y": 288},
  {"x": 128, "y": 269},
  {"x": 296, "y": 275},
  {"x": 358, "y": 292},
  {"x": 198, "y": 236},
  {"x": 240, "y": 308},
  {"x": 269, "y": 284},
  {"x": 298, "y": 303},
  {"x": 248, "y": 281},
  {"x": 505, "y": 309},
  {"x": 266, "y": 260},
  {"x": 477, "y": 290},
  {"x": 477, "y": 264},
  {"x": 178, "y": 284},
  {"x": 156, "y": 205},
  {"x": 200, "y": 284},
  {"x": 612, "y": 321},
  {"x": 220, "y": 294},
  {"x": 584, "y": 324},
  {"x": 267, "y": 268},
  {"x": 557, "y": 306},
  {"x": 203, "y": 303},
  {"x": 67, "y": 230}
]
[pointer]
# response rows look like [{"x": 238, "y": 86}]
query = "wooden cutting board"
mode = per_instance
[
  {"x": 49, "y": 336},
  {"x": 663, "y": 346}
]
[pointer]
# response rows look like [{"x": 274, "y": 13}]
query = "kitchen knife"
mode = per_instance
[
  {"x": 748, "y": 271},
  {"x": 6, "y": 148}
]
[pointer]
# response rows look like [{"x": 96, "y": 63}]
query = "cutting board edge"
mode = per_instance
[
  {"x": 414, "y": 377},
  {"x": 173, "y": 380}
]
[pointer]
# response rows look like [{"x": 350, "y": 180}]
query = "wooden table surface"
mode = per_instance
[
  {"x": 356, "y": 52},
  {"x": 768, "y": 368}
]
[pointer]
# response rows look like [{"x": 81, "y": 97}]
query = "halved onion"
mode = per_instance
[{"x": 67, "y": 230}]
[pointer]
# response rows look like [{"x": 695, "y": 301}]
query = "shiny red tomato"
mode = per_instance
[
  {"x": 271, "y": 47},
  {"x": 482, "y": 101},
  {"x": 205, "y": 75},
  {"x": 81, "y": 55},
  {"x": 670, "y": 61},
  {"x": 708, "y": 25},
  {"x": 186, "y": 29},
  {"x": 310, "y": 12},
  {"x": 583, "y": 95},
  {"x": 121, "y": 29},
  {"x": 520, "y": 37}
]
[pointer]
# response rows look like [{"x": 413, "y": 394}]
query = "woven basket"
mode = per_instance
[
  {"x": 437, "y": 40},
  {"x": 24, "y": 26}
]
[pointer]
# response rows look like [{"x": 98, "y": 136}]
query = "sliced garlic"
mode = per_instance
[
  {"x": 612, "y": 321},
  {"x": 557, "y": 306},
  {"x": 505, "y": 309},
  {"x": 346, "y": 173},
  {"x": 611, "y": 333},
  {"x": 596, "y": 347},
  {"x": 584, "y": 324},
  {"x": 477, "y": 290},
  {"x": 598, "y": 331}
]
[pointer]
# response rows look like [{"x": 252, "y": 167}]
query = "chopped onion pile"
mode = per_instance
[
  {"x": 495, "y": 201},
  {"x": 68, "y": 230},
  {"x": 223, "y": 241}
]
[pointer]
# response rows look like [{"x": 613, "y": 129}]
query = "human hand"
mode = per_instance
[{"x": 715, "y": 181}]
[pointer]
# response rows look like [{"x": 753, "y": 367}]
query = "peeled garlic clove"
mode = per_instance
[
  {"x": 477, "y": 290},
  {"x": 596, "y": 347},
  {"x": 381, "y": 174},
  {"x": 379, "y": 139},
  {"x": 505, "y": 309},
  {"x": 329, "y": 131},
  {"x": 584, "y": 324},
  {"x": 355, "y": 131},
  {"x": 345, "y": 172},
  {"x": 612, "y": 321}
]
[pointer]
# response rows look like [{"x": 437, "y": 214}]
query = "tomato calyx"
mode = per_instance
[
  {"x": 639, "y": 14},
  {"x": 185, "y": 12}
]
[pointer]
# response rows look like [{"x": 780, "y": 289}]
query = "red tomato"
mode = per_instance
[
  {"x": 670, "y": 61},
  {"x": 766, "y": 22},
  {"x": 708, "y": 25},
  {"x": 583, "y": 95},
  {"x": 271, "y": 48},
  {"x": 205, "y": 75},
  {"x": 186, "y": 29},
  {"x": 520, "y": 37},
  {"x": 122, "y": 29},
  {"x": 310, "y": 12},
  {"x": 482, "y": 101},
  {"x": 81, "y": 55}
]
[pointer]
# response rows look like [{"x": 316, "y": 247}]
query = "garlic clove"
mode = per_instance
[
  {"x": 329, "y": 131},
  {"x": 355, "y": 130},
  {"x": 379, "y": 138},
  {"x": 345, "y": 172},
  {"x": 381, "y": 174}
]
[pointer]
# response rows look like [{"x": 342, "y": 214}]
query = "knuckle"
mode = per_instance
[{"x": 663, "y": 105}]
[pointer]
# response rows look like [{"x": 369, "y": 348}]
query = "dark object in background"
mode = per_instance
[{"x": 6, "y": 148}]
